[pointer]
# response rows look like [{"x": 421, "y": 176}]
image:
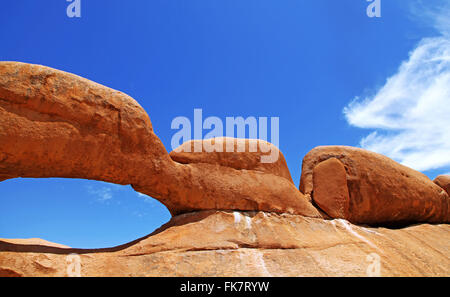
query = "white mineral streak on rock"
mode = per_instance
[
  {"x": 237, "y": 217},
  {"x": 350, "y": 229}
]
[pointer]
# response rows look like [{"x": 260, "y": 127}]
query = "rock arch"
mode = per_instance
[{"x": 57, "y": 124}]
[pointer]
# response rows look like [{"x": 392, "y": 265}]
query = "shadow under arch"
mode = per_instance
[{"x": 41, "y": 248}]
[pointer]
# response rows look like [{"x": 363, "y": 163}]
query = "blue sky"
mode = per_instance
[{"x": 330, "y": 73}]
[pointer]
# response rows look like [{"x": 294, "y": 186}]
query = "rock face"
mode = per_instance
[
  {"x": 245, "y": 169},
  {"x": 330, "y": 188},
  {"x": 240, "y": 154},
  {"x": 443, "y": 181},
  {"x": 379, "y": 190},
  {"x": 56, "y": 124},
  {"x": 218, "y": 243}
]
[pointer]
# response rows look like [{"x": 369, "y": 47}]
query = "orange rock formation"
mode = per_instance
[
  {"x": 366, "y": 187},
  {"x": 56, "y": 124},
  {"x": 233, "y": 214}
]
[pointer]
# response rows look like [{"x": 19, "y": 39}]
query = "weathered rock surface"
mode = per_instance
[
  {"x": 240, "y": 154},
  {"x": 218, "y": 243},
  {"x": 56, "y": 124},
  {"x": 330, "y": 188},
  {"x": 443, "y": 181},
  {"x": 380, "y": 191}
]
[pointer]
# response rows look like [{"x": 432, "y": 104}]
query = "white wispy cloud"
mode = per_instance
[
  {"x": 153, "y": 202},
  {"x": 102, "y": 193},
  {"x": 410, "y": 114},
  {"x": 432, "y": 12}
]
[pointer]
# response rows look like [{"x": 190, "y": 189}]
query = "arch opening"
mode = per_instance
[{"x": 77, "y": 213}]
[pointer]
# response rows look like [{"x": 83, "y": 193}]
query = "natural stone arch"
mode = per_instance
[{"x": 56, "y": 124}]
